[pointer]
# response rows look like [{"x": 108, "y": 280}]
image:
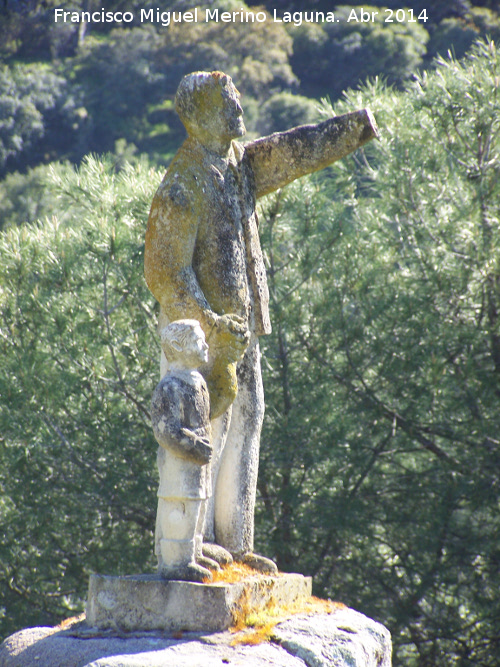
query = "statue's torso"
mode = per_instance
[{"x": 219, "y": 198}]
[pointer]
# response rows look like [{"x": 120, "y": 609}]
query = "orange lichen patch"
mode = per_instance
[
  {"x": 256, "y": 626},
  {"x": 232, "y": 574},
  {"x": 314, "y": 605},
  {"x": 242, "y": 616},
  {"x": 68, "y": 622}
]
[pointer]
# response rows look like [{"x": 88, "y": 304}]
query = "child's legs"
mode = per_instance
[
  {"x": 178, "y": 518},
  {"x": 177, "y": 522}
]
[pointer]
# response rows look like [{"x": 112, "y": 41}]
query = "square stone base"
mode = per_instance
[{"x": 147, "y": 602}]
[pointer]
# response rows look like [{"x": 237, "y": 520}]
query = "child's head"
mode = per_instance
[{"x": 183, "y": 341}]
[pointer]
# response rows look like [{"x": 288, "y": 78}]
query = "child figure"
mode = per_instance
[{"x": 180, "y": 417}]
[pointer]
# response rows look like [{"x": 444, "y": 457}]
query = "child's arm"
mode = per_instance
[
  {"x": 198, "y": 447},
  {"x": 169, "y": 430}
]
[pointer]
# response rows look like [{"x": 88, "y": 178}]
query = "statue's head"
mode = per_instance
[
  {"x": 183, "y": 342},
  {"x": 208, "y": 104}
]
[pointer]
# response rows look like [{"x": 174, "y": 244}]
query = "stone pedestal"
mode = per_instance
[
  {"x": 147, "y": 602},
  {"x": 145, "y": 621}
]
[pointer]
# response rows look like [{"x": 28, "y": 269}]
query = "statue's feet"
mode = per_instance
[
  {"x": 190, "y": 572},
  {"x": 217, "y": 553},
  {"x": 260, "y": 563},
  {"x": 208, "y": 562}
]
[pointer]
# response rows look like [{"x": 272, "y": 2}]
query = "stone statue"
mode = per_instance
[
  {"x": 180, "y": 415},
  {"x": 203, "y": 260}
]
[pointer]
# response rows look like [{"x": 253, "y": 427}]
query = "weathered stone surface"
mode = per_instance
[
  {"x": 147, "y": 602},
  {"x": 344, "y": 638},
  {"x": 43, "y": 648}
]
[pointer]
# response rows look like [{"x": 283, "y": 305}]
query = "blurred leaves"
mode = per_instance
[
  {"x": 78, "y": 359},
  {"x": 34, "y": 100},
  {"x": 380, "y": 452}
]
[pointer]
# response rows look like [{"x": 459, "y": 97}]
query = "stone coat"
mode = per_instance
[
  {"x": 202, "y": 240},
  {"x": 180, "y": 401}
]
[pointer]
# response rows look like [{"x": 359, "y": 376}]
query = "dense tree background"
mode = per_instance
[
  {"x": 380, "y": 451},
  {"x": 381, "y": 458}
]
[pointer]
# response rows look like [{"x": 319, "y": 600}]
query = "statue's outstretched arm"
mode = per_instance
[{"x": 284, "y": 156}]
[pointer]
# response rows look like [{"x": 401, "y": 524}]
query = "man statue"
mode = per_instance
[
  {"x": 203, "y": 261},
  {"x": 180, "y": 416}
]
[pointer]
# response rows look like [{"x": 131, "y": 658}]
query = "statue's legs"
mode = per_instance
[
  {"x": 220, "y": 428},
  {"x": 236, "y": 483}
]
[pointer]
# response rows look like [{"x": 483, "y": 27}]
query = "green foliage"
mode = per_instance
[
  {"x": 30, "y": 197},
  {"x": 78, "y": 364},
  {"x": 121, "y": 77},
  {"x": 458, "y": 34},
  {"x": 348, "y": 52},
  {"x": 380, "y": 452},
  {"x": 26, "y": 30},
  {"x": 39, "y": 115},
  {"x": 285, "y": 110}
]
